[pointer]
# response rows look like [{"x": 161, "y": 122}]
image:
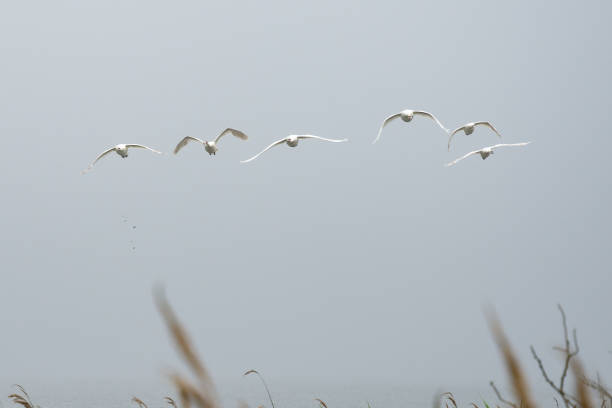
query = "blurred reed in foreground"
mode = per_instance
[{"x": 200, "y": 390}]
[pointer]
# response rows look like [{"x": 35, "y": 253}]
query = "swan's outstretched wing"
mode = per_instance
[
  {"x": 489, "y": 125},
  {"x": 234, "y": 132},
  {"x": 387, "y": 120},
  {"x": 321, "y": 138},
  {"x": 142, "y": 147},
  {"x": 462, "y": 157},
  {"x": 112, "y": 149},
  {"x": 510, "y": 145},
  {"x": 450, "y": 137},
  {"x": 430, "y": 115},
  {"x": 490, "y": 147},
  {"x": 184, "y": 142},
  {"x": 283, "y": 140}
]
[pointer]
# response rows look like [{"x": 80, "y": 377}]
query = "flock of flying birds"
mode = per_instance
[{"x": 292, "y": 140}]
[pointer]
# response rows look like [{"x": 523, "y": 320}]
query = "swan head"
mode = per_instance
[{"x": 407, "y": 115}]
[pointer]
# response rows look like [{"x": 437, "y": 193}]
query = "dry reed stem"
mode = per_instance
[
  {"x": 321, "y": 403},
  {"x": 449, "y": 396},
  {"x": 499, "y": 396},
  {"x": 189, "y": 393},
  {"x": 182, "y": 392},
  {"x": 569, "y": 354},
  {"x": 25, "y": 393},
  {"x": 140, "y": 403},
  {"x": 567, "y": 350},
  {"x": 596, "y": 385},
  {"x": 170, "y": 402},
  {"x": 18, "y": 399},
  {"x": 519, "y": 383},
  {"x": 180, "y": 336},
  {"x": 263, "y": 382},
  {"x": 23, "y": 400}
]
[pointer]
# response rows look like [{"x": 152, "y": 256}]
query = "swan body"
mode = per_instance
[
  {"x": 211, "y": 147},
  {"x": 407, "y": 115},
  {"x": 121, "y": 150},
  {"x": 292, "y": 141}
]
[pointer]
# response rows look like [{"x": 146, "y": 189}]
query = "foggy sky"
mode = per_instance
[{"x": 334, "y": 262}]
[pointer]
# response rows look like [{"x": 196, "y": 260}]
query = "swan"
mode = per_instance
[
  {"x": 468, "y": 129},
  {"x": 210, "y": 147},
  {"x": 486, "y": 152},
  {"x": 121, "y": 150},
  {"x": 292, "y": 141},
  {"x": 407, "y": 116}
]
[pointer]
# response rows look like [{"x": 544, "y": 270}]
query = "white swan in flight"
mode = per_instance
[
  {"x": 468, "y": 129},
  {"x": 210, "y": 147},
  {"x": 486, "y": 152},
  {"x": 121, "y": 150},
  {"x": 292, "y": 141},
  {"x": 407, "y": 116}
]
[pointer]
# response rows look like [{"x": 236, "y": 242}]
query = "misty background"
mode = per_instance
[{"x": 334, "y": 264}]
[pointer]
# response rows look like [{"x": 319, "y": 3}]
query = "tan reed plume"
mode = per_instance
[
  {"x": 23, "y": 400},
  {"x": 582, "y": 390},
  {"x": 519, "y": 383},
  {"x": 140, "y": 403},
  {"x": 321, "y": 403},
  {"x": 449, "y": 396},
  {"x": 170, "y": 402},
  {"x": 204, "y": 395}
]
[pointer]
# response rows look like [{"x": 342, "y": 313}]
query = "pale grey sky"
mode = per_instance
[{"x": 329, "y": 261}]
